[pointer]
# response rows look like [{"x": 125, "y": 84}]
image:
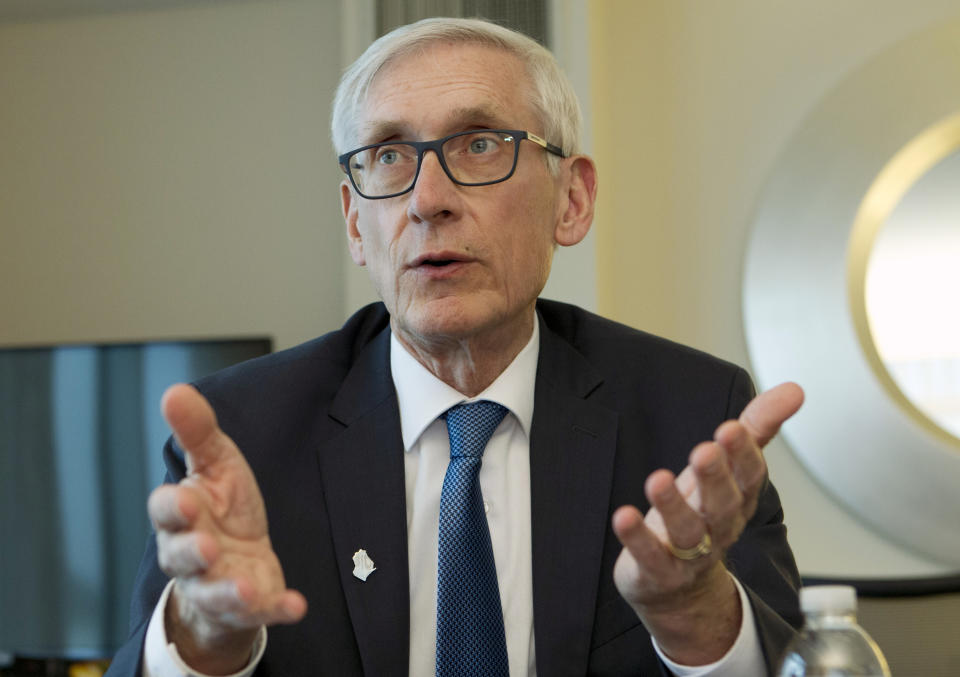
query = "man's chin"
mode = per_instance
[
  {"x": 439, "y": 327},
  {"x": 452, "y": 320}
]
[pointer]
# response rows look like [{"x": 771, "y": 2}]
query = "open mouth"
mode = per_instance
[
  {"x": 439, "y": 265},
  {"x": 437, "y": 260}
]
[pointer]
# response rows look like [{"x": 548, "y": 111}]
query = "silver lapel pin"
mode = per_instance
[{"x": 362, "y": 564}]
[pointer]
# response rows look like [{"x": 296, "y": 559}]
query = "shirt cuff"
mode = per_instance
[
  {"x": 161, "y": 659},
  {"x": 745, "y": 657}
]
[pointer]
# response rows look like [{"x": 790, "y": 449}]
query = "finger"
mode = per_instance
[
  {"x": 287, "y": 606},
  {"x": 768, "y": 410},
  {"x": 294, "y": 605},
  {"x": 642, "y": 543},
  {"x": 219, "y": 599},
  {"x": 185, "y": 554},
  {"x": 239, "y": 604},
  {"x": 172, "y": 507},
  {"x": 291, "y": 607},
  {"x": 194, "y": 425},
  {"x": 721, "y": 501},
  {"x": 684, "y": 525},
  {"x": 743, "y": 455}
]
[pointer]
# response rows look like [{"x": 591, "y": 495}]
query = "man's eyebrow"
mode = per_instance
[
  {"x": 378, "y": 130},
  {"x": 476, "y": 116},
  {"x": 459, "y": 119}
]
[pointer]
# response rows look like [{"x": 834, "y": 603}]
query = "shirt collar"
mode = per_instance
[{"x": 422, "y": 397}]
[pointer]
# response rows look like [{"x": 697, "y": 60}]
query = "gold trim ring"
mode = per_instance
[{"x": 704, "y": 547}]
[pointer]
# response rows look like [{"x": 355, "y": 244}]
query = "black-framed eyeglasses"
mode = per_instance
[{"x": 478, "y": 157}]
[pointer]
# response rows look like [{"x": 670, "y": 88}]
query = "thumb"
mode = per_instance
[{"x": 767, "y": 411}]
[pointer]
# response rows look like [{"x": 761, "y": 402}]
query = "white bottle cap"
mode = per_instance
[{"x": 822, "y": 598}]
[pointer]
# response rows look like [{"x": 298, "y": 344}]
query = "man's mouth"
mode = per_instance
[
  {"x": 437, "y": 260},
  {"x": 439, "y": 265}
]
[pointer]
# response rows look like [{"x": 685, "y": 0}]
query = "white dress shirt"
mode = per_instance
[{"x": 505, "y": 484}]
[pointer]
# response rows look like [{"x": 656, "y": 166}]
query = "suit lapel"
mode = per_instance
[
  {"x": 363, "y": 480},
  {"x": 572, "y": 448}
]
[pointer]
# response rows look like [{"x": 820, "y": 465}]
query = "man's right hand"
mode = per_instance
[{"x": 212, "y": 538}]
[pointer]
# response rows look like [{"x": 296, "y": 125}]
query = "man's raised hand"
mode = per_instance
[
  {"x": 690, "y": 605},
  {"x": 212, "y": 538}
]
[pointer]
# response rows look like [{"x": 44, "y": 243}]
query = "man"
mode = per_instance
[{"x": 617, "y": 550}]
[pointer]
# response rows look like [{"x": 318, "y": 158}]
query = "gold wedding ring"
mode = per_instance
[{"x": 704, "y": 547}]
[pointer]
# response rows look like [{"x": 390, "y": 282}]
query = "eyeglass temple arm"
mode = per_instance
[{"x": 556, "y": 150}]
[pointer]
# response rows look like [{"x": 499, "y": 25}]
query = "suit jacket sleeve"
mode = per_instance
[
  {"x": 149, "y": 585},
  {"x": 763, "y": 561},
  {"x": 644, "y": 403}
]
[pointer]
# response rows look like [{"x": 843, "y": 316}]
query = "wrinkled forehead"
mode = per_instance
[{"x": 447, "y": 87}]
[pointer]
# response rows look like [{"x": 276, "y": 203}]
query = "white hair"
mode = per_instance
[{"x": 552, "y": 96}]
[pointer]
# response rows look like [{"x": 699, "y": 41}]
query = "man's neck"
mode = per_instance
[{"x": 472, "y": 363}]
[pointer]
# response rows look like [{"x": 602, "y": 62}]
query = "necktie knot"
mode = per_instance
[{"x": 470, "y": 426}]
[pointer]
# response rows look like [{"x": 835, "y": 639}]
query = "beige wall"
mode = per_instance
[
  {"x": 167, "y": 173},
  {"x": 692, "y": 102}
]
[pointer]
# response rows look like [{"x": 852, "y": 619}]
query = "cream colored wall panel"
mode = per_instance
[{"x": 167, "y": 173}]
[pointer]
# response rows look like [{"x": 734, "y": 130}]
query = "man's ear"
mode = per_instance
[
  {"x": 348, "y": 201},
  {"x": 577, "y": 200}
]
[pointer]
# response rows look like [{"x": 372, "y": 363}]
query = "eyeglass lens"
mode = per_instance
[{"x": 474, "y": 158}]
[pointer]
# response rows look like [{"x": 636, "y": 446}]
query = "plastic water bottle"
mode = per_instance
[{"x": 831, "y": 643}]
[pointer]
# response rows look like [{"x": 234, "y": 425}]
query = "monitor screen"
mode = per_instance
[{"x": 80, "y": 441}]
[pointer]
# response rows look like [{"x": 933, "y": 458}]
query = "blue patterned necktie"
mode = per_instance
[{"x": 470, "y": 635}]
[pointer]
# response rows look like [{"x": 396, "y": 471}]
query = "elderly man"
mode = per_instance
[{"x": 464, "y": 480}]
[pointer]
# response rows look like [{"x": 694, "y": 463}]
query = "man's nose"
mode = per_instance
[{"x": 434, "y": 194}]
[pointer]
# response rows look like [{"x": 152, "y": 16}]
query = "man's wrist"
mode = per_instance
[
  {"x": 209, "y": 650},
  {"x": 703, "y": 626},
  {"x": 745, "y": 657},
  {"x": 161, "y": 657}
]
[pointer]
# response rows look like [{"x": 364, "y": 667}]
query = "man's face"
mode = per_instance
[{"x": 452, "y": 262}]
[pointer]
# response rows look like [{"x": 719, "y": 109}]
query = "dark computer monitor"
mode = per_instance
[{"x": 80, "y": 442}]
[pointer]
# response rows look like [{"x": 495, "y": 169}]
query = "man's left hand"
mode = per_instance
[{"x": 691, "y": 606}]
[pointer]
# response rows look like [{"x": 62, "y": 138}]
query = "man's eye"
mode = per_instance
[
  {"x": 388, "y": 156},
  {"x": 483, "y": 144}
]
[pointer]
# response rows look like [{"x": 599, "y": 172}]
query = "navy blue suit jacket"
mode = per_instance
[{"x": 319, "y": 425}]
